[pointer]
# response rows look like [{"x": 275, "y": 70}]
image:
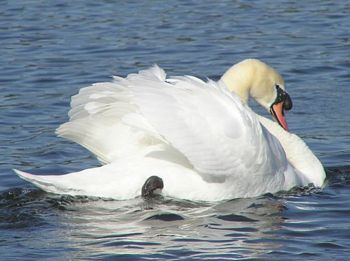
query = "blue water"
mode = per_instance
[{"x": 49, "y": 50}]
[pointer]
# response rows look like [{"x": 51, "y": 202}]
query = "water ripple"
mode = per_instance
[{"x": 50, "y": 50}]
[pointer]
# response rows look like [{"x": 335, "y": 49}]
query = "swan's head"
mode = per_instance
[{"x": 254, "y": 78}]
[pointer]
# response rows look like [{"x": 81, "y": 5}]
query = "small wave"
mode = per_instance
[
  {"x": 338, "y": 176},
  {"x": 338, "y": 171},
  {"x": 165, "y": 217},
  {"x": 236, "y": 218},
  {"x": 21, "y": 208}
]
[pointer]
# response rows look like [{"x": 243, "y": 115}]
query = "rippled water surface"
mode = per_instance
[{"x": 49, "y": 50}]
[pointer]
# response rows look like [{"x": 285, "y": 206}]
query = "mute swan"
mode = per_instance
[{"x": 200, "y": 138}]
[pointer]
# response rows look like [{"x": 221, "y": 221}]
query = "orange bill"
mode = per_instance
[{"x": 278, "y": 114}]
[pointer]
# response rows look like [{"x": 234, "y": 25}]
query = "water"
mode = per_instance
[{"x": 50, "y": 50}]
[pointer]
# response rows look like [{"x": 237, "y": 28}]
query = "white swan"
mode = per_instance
[{"x": 200, "y": 137}]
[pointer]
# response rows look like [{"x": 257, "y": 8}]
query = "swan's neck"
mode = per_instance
[
  {"x": 238, "y": 83},
  {"x": 297, "y": 152}
]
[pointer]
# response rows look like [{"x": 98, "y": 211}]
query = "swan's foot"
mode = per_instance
[{"x": 152, "y": 186}]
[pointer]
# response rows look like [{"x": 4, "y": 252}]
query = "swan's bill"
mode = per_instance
[
  {"x": 278, "y": 113},
  {"x": 281, "y": 103}
]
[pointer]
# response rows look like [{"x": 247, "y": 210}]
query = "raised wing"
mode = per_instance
[
  {"x": 219, "y": 135},
  {"x": 105, "y": 120},
  {"x": 184, "y": 119}
]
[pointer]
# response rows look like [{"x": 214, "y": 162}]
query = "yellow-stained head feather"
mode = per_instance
[{"x": 254, "y": 78}]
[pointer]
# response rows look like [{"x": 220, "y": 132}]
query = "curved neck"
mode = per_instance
[
  {"x": 238, "y": 83},
  {"x": 297, "y": 152}
]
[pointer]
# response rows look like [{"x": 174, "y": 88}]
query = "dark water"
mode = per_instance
[{"x": 49, "y": 50}]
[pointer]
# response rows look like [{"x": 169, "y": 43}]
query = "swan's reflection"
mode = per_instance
[{"x": 236, "y": 228}]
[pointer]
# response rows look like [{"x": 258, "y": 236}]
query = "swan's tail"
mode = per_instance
[
  {"x": 118, "y": 181},
  {"x": 48, "y": 183}
]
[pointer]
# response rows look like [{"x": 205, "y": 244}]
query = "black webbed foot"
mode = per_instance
[{"x": 152, "y": 184}]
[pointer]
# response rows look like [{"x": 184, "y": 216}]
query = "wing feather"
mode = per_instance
[
  {"x": 104, "y": 119},
  {"x": 200, "y": 123},
  {"x": 209, "y": 125}
]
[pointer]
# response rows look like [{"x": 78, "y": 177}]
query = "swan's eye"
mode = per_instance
[{"x": 284, "y": 97}]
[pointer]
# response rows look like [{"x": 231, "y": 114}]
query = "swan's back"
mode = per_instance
[{"x": 197, "y": 124}]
